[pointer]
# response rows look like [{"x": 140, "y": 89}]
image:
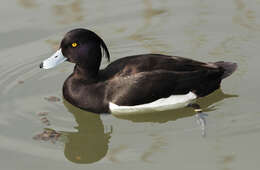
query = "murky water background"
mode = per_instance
[{"x": 31, "y": 99}]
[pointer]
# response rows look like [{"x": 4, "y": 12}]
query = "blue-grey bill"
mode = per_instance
[{"x": 54, "y": 60}]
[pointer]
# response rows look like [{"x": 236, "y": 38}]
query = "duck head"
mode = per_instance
[{"x": 80, "y": 46}]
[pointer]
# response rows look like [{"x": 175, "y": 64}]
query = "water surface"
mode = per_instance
[{"x": 32, "y": 108}]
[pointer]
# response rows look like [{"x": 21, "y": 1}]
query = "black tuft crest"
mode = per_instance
[
  {"x": 103, "y": 45},
  {"x": 101, "y": 41}
]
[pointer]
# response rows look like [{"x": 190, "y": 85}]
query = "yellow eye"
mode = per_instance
[{"x": 74, "y": 44}]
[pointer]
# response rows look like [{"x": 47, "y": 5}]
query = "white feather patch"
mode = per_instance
[{"x": 172, "y": 102}]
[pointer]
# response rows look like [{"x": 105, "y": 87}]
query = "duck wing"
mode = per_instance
[
  {"x": 146, "y": 87},
  {"x": 150, "y": 62}
]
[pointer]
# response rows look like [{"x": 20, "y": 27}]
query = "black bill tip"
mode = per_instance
[{"x": 41, "y": 65}]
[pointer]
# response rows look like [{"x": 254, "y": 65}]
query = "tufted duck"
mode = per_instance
[{"x": 132, "y": 80}]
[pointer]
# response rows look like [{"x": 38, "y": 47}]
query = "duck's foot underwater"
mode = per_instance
[{"x": 200, "y": 117}]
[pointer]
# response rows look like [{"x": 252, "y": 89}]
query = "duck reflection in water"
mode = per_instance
[{"x": 89, "y": 144}]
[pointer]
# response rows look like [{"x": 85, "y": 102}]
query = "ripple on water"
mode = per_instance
[
  {"x": 24, "y": 92},
  {"x": 17, "y": 74}
]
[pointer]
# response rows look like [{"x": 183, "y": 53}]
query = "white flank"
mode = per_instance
[{"x": 172, "y": 102}]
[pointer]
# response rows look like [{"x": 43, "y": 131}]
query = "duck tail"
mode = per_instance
[{"x": 228, "y": 67}]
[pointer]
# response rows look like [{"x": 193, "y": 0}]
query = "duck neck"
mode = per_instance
[{"x": 84, "y": 74}]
